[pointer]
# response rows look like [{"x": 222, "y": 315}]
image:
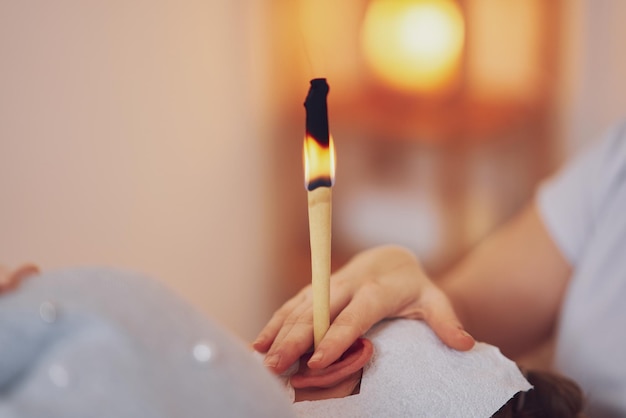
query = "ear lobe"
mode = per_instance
[{"x": 353, "y": 360}]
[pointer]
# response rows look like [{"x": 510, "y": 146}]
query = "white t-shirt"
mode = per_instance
[{"x": 584, "y": 210}]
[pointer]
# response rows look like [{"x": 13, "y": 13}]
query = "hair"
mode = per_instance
[{"x": 553, "y": 396}]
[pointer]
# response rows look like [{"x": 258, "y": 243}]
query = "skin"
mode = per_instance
[
  {"x": 341, "y": 389},
  {"x": 339, "y": 380},
  {"x": 11, "y": 278},
  {"x": 507, "y": 291}
]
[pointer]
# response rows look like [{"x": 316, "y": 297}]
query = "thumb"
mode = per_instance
[
  {"x": 440, "y": 316},
  {"x": 452, "y": 334}
]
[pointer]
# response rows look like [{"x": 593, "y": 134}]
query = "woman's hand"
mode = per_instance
[
  {"x": 10, "y": 279},
  {"x": 384, "y": 282}
]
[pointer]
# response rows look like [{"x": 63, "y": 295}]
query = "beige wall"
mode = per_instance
[{"x": 130, "y": 136}]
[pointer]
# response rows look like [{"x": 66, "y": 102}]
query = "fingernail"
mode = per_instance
[
  {"x": 271, "y": 360},
  {"x": 465, "y": 333},
  {"x": 316, "y": 357}
]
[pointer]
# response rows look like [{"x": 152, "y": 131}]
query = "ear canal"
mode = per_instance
[{"x": 354, "y": 359}]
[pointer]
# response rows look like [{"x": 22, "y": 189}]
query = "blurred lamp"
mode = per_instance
[{"x": 414, "y": 45}]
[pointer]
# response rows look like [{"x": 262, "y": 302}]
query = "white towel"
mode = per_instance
[{"x": 413, "y": 374}]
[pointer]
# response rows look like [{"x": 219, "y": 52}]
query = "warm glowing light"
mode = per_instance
[
  {"x": 414, "y": 44},
  {"x": 319, "y": 163}
]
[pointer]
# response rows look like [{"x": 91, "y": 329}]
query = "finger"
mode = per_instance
[
  {"x": 364, "y": 310},
  {"x": 453, "y": 334},
  {"x": 292, "y": 341},
  {"x": 11, "y": 279},
  {"x": 440, "y": 316},
  {"x": 300, "y": 317},
  {"x": 268, "y": 334},
  {"x": 296, "y": 335},
  {"x": 24, "y": 271}
]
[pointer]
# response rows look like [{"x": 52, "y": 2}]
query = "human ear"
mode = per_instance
[{"x": 335, "y": 381}]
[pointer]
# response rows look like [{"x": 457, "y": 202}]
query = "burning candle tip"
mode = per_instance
[{"x": 317, "y": 111}]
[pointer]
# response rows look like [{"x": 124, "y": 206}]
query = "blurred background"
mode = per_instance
[{"x": 166, "y": 137}]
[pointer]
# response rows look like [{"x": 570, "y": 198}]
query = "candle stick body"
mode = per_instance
[{"x": 320, "y": 237}]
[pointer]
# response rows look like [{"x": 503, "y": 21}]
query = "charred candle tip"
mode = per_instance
[
  {"x": 317, "y": 111},
  {"x": 319, "y": 182}
]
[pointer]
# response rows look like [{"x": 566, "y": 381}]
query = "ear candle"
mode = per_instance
[{"x": 319, "y": 177}]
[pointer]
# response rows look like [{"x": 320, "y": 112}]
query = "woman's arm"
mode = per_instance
[{"x": 508, "y": 290}]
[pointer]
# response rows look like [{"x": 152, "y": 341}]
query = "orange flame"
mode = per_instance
[{"x": 319, "y": 163}]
